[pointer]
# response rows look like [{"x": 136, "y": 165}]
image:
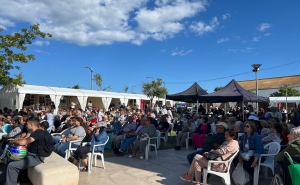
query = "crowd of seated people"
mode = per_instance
[
  {"x": 255, "y": 132},
  {"x": 129, "y": 127}
]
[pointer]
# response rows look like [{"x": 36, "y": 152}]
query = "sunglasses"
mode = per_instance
[{"x": 247, "y": 126}]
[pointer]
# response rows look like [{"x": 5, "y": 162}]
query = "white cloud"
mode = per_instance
[
  {"x": 41, "y": 43},
  {"x": 233, "y": 50},
  {"x": 41, "y": 51},
  {"x": 255, "y": 39},
  {"x": 180, "y": 52},
  {"x": 4, "y": 23},
  {"x": 248, "y": 50},
  {"x": 267, "y": 34},
  {"x": 99, "y": 22},
  {"x": 163, "y": 50},
  {"x": 225, "y": 16},
  {"x": 264, "y": 26},
  {"x": 201, "y": 28},
  {"x": 222, "y": 40}
]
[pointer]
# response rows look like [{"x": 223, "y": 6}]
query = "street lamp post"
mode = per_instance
[
  {"x": 91, "y": 75},
  {"x": 132, "y": 88},
  {"x": 256, "y": 69},
  {"x": 286, "y": 87}
]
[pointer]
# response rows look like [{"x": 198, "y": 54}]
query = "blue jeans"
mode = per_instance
[
  {"x": 126, "y": 142},
  {"x": 191, "y": 156},
  {"x": 4, "y": 152},
  {"x": 55, "y": 140},
  {"x": 62, "y": 147}
]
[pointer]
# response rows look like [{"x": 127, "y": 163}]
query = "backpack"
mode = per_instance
[{"x": 48, "y": 148}]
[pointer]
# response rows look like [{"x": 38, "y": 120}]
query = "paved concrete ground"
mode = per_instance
[{"x": 165, "y": 169}]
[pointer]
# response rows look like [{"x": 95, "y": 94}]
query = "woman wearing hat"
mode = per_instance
[{"x": 100, "y": 137}]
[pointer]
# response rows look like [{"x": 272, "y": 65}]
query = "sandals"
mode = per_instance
[
  {"x": 186, "y": 178},
  {"x": 84, "y": 169}
]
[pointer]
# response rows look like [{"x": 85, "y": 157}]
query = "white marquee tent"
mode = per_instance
[{"x": 12, "y": 96}]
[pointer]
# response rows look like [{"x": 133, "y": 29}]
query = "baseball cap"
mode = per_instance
[
  {"x": 102, "y": 124},
  {"x": 222, "y": 124}
]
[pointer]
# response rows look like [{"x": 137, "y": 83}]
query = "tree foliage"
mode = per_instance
[
  {"x": 218, "y": 88},
  {"x": 154, "y": 89},
  {"x": 282, "y": 92},
  {"x": 76, "y": 87},
  {"x": 108, "y": 88},
  {"x": 125, "y": 89},
  {"x": 12, "y": 47},
  {"x": 98, "y": 80}
]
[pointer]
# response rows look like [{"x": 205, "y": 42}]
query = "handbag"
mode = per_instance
[
  {"x": 240, "y": 176},
  {"x": 247, "y": 155},
  {"x": 294, "y": 169},
  {"x": 212, "y": 156}
]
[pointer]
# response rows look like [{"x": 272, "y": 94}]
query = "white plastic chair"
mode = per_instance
[
  {"x": 224, "y": 175},
  {"x": 187, "y": 139},
  {"x": 70, "y": 149},
  {"x": 154, "y": 144},
  {"x": 273, "y": 150},
  {"x": 93, "y": 155},
  {"x": 165, "y": 137}
]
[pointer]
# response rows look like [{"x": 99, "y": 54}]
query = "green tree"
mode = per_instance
[
  {"x": 12, "y": 47},
  {"x": 98, "y": 80},
  {"x": 282, "y": 92},
  {"x": 76, "y": 87},
  {"x": 125, "y": 89},
  {"x": 154, "y": 89},
  {"x": 252, "y": 92},
  {"x": 218, "y": 88},
  {"x": 108, "y": 88}
]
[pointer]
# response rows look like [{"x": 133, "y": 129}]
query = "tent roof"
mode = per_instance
[
  {"x": 232, "y": 92},
  {"x": 189, "y": 95},
  {"x": 45, "y": 90}
]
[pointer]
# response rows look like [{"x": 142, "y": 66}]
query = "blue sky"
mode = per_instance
[{"x": 180, "y": 41}]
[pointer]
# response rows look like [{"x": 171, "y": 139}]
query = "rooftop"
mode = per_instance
[{"x": 271, "y": 83}]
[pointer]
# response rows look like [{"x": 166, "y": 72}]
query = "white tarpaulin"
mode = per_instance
[
  {"x": 57, "y": 102},
  {"x": 106, "y": 101},
  {"x": 82, "y": 101},
  {"x": 124, "y": 100},
  {"x": 20, "y": 100}
]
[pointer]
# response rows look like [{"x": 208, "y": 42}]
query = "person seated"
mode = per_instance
[
  {"x": 180, "y": 138},
  {"x": 228, "y": 148},
  {"x": 265, "y": 131},
  {"x": 131, "y": 137},
  {"x": 275, "y": 134},
  {"x": 139, "y": 145},
  {"x": 211, "y": 142},
  {"x": 76, "y": 132},
  {"x": 284, "y": 135},
  {"x": 293, "y": 147},
  {"x": 163, "y": 125},
  {"x": 250, "y": 141},
  {"x": 44, "y": 125},
  {"x": 202, "y": 131},
  {"x": 99, "y": 137},
  {"x": 127, "y": 128},
  {"x": 2, "y": 130}
]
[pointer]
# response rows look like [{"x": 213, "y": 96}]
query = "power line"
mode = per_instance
[{"x": 213, "y": 79}]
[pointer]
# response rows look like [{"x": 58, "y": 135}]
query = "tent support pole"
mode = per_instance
[
  {"x": 243, "y": 111},
  {"x": 197, "y": 107}
]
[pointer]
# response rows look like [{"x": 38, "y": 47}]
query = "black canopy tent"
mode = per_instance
[
  {"x": 232, "y": 92},
  {"x": 192, "y": 94}
]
